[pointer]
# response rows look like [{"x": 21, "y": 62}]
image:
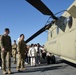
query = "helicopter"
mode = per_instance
[{"x": 61, "y": 31}]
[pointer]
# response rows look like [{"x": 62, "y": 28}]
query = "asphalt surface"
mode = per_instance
[{"x": 59, "y": 68}]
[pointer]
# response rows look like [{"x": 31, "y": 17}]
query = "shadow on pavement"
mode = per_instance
[{"x": 42, "y": 69}]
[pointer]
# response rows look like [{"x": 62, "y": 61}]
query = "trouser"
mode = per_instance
[
  {"x": 33, "y": 61},
  {"x": 38, "y": 60},
  {"x": 26, "y": 58},
  {"x": 48, "y": 59},
  {"x": 29, "y": 59},
  {"x": 44, "y": 55},
  {"x": 0, "y": 60},
  {"x": 6, "y": 56},
  {"x": 21, "y": 60},
  {"x": 14, "y": 55}
]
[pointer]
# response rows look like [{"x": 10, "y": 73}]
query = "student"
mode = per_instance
[{"x": 32, "y": 53}]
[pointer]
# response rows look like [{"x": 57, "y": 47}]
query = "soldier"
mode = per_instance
[
  {"x": 0, "y": 52},
  {"x": 6, "y": 49},
  {"x": 21, "y": 53},
  {"x": 14, "y": 51}
]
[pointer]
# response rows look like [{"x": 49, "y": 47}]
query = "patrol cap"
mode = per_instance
[
  {"x": 14, "y": 40},
  {"x": 7, "y": 29},
  {"x": 21, "y": 35}
]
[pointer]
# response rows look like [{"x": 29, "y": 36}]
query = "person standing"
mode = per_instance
[
  {"x": 36, "y": 48},
  {"x": 0, "y": 53},
  {"x": 43, "y": 53},
  {"x": 6, "y": 49},
  {"x": 28, "y": 54},
  {"x": 14, "y": 51},
  {"x": 32, "y": 52},
  {"x": 38, "y": 53},
  {"x": 21, "y": 53}
]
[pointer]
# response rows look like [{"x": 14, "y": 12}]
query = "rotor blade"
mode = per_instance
[
  {"x": 39, "y": 5},
  {"x": 38, "y": 32}
]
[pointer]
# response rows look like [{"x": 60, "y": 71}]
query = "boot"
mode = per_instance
[
  {"x": 4, "y": 72},
  {"x": 18, "y": 69},
  {"x": 9, "y": 72},
  {"x": 23, "y": 69}
]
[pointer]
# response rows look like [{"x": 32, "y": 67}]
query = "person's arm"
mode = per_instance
[
  {"x": 10, "y": 43},
  {"x": 19, "y": 46},
  {"x": 2, "y": 43}
]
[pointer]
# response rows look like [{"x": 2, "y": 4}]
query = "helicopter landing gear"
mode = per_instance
[{"x": 50, "y": 59}]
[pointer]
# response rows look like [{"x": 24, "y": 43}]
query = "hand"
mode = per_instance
[
  {"x": 18, "y": 52},
  {"x": 3, "y": 49}
]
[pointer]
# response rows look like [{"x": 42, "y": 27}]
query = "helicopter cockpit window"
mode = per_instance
[{"x": 70, "y": 21}]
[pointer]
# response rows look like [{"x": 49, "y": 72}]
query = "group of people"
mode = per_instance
[
  {"x": 6, "y": 48},
  {"x": 22, "y": 51},
  {"x": 35, "y": 53}
]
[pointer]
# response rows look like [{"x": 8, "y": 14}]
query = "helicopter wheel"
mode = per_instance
[{"x": 50, "y": 59}]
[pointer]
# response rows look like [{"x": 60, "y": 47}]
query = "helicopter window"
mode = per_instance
[
  {"x": 57, "y": 30},
  {"x": 70, "y": 21},
  {"x": 65, "y": 21}
]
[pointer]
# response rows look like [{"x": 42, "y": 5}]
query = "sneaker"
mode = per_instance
[
  {"x": 0, "y": 67},
  {"x": 39, "y": 63},
  {"x": 26, "y": 63}
]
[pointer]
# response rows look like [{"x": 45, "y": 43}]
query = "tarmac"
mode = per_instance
[{"x": 60, "y": 68}]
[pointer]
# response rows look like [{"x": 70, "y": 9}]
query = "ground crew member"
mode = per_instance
[
  {"x": 14, "y": 51},
  {"x": 6, "y": 49},
  {"x": 21, "y": 53}
]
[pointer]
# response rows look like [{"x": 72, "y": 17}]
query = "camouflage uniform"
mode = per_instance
[
  {"x": 6, "y": 44},
  {"x": 21, "y": 54},
  {"x": 14, "y": 51},
  {"x": 0, "y": 46},
  {"x": 0, "y": 50}
]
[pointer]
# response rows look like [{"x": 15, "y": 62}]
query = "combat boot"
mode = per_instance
[
  {"x": 9, "y": 72},
  {"x": 4, "y": 72},
  {"x": 23, "y": 69},
  {"x": 18, "y": 69}
]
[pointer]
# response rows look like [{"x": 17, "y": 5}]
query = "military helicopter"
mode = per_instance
[{"x": 61, "y": 31}]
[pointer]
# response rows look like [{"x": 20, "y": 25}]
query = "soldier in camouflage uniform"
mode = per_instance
[
  {"x": 6, "y": 49},
  {"x": 14, "y": 51},
  {"x": 0, "y": 52},
  {"x": 21, "y": 53}
]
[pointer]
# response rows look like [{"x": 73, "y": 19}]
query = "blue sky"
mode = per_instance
[{"x": 20, "y": 17}]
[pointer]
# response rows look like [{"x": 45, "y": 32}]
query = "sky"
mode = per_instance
[{"x": 22, "y": 18}]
